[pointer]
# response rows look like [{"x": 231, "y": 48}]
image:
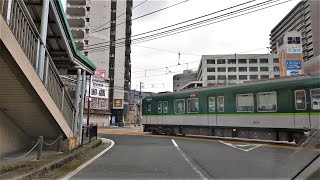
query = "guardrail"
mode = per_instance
[{"x": 22, "y": 26}]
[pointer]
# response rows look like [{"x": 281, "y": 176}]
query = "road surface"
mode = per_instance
[{"x": 146, "y": 157}]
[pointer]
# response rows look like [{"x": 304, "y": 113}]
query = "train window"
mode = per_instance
[
  {"x": 149, "y": 107},
  {"x": 315, "y": 99},
  {"x": 179, "y": 106},
  {"x": 220, "y": 101},
  {"x": 193, "y": 105},
  {"x": 165, "y": 107},
  {"x": 245, "y": 103},
  {"x": 159, "y": 107},
  {"x": 267, "y": 102},
  {"x": 212, "y": 104},
  {"x": 300, "y": 99}
]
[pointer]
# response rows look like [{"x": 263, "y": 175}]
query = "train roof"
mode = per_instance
[{"x": 293, "y": 81}]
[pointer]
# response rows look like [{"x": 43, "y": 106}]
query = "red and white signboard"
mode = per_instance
[{"x": 99, "y": 75}]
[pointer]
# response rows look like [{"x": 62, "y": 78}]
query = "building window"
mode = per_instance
[
  {"x": 221, "y": 69},
  {"x": 300, "y": 99},
  {"x": 253, "y": 61},
  {"x": 252, "y": 77},
  {"x": 276, "y": 68},
  {"x": 267, "y": 102},
  {"x": 113, "y": 32},
  {"x": 192, "y": 105},
  {"x": 212, "y": 104},
  {"x": 87, "y": 31},
  {"x": 264, "y": 76},
  {"x": 222, "y": 77},
  {"x": 220, "y": 101},
  {"x": 231, "y": 61},
  {"x": 242, "y": 61},
  {"x": 113, "y": 21},
  {"x": 264, "y": 61},
  {"x": 113, "y": 10},
  {"x": 111, "y": 67},
  {"x": 232, "y": 69},
  {"x": 245, "y": 103},
  {"x": 253, "y": 69},
  {"x": 179, "y": 106},
  {"x": 85, "y": 53},
  {"x": 315, "y": 98},
  {"x": 111, "y": 55},
  {"x": 211, "y": 77},
  {"x": 211, "y": 61},
  {"x": 243, "y": 77},
  {"x": 221, "y": 61},
  {"x": 159, "y": 107},
  {"x": 275, "y": 60},
  {"x": 276, "y": 76},
  {"x": 86, "y": 42},
  {"x": 88, "y": 8},
  {"x": 87, "y": 19},
  {"x": 232, "y": 77},
  {"x": 211, "y": 69},
  {"x": 264, "y": 68},
  {"x": 242, "y": 69}
]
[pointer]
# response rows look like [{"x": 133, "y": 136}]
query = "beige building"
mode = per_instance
[
  {"x": 304, "y": 18},
  {"x": 97, "y": 27}
]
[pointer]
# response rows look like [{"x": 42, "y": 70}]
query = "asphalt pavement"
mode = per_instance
[{"x": 143, "y": 157}]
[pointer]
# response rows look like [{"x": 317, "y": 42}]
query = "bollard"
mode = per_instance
[
  {"x": 40, "y": 145},
  {"x": 59, "y": 143}
]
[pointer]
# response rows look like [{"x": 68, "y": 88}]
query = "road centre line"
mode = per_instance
[
  {"x": 185, "y": 157},
  {"x": 68, "y": 176}
]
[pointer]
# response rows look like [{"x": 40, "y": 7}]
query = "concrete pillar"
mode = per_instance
[
  {"x": 43, "y": 36},
  {"x": 83, "y": 93},
  {"x": 77, "y": 101}
]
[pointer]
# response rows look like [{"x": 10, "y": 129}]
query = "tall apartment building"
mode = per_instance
[
  {"x": 99, "y": 27},
  {"x": 179, "y": 80},
  {"x": 304, "y": 18},
  {"x": 237, "y": 68}
]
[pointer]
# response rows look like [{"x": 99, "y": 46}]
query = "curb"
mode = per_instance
[{"x": 36, "y": 173}]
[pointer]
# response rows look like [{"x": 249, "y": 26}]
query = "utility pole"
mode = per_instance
[{"x": 89, "y": 105}]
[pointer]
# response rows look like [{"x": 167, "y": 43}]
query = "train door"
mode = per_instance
[
  {"x": 301, "y": 111},
  {"x": 212, "y": 111},
  {"x": 159, "y": 118},
  {"x": 148, "y": 112}
]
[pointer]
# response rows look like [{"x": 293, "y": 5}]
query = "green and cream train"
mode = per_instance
[{"x": 283, "y": 109}]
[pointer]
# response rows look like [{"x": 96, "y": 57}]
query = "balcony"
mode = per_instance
[
  {"x": 77, "y": 23},
  {"x": 72, "y": 11},
  {"x": 77, "y": 34},
  {"x": 77, "y": 2}
]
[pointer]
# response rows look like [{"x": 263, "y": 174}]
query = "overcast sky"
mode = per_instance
[{"x": 236, "y": 35}]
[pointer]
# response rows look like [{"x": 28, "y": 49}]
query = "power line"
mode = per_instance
[
  {"x": 172, "y": 25},
  {"x": 117, "y": 17},
  {"x": 143, "y": 15},
  {"x": 209, "y": 23},
  {"x": 195, "y": 27}
]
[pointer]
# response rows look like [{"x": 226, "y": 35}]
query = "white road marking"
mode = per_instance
[
  {"x": 254, "y": 146},
  {"x": 68, "y": 176},
  {"x": 185, "y": 157}
]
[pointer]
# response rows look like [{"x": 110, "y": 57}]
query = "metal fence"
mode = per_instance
[{"x": 22, "y": 26}]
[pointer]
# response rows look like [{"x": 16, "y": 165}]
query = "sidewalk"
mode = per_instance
[{"x": 30, "y": 168}]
